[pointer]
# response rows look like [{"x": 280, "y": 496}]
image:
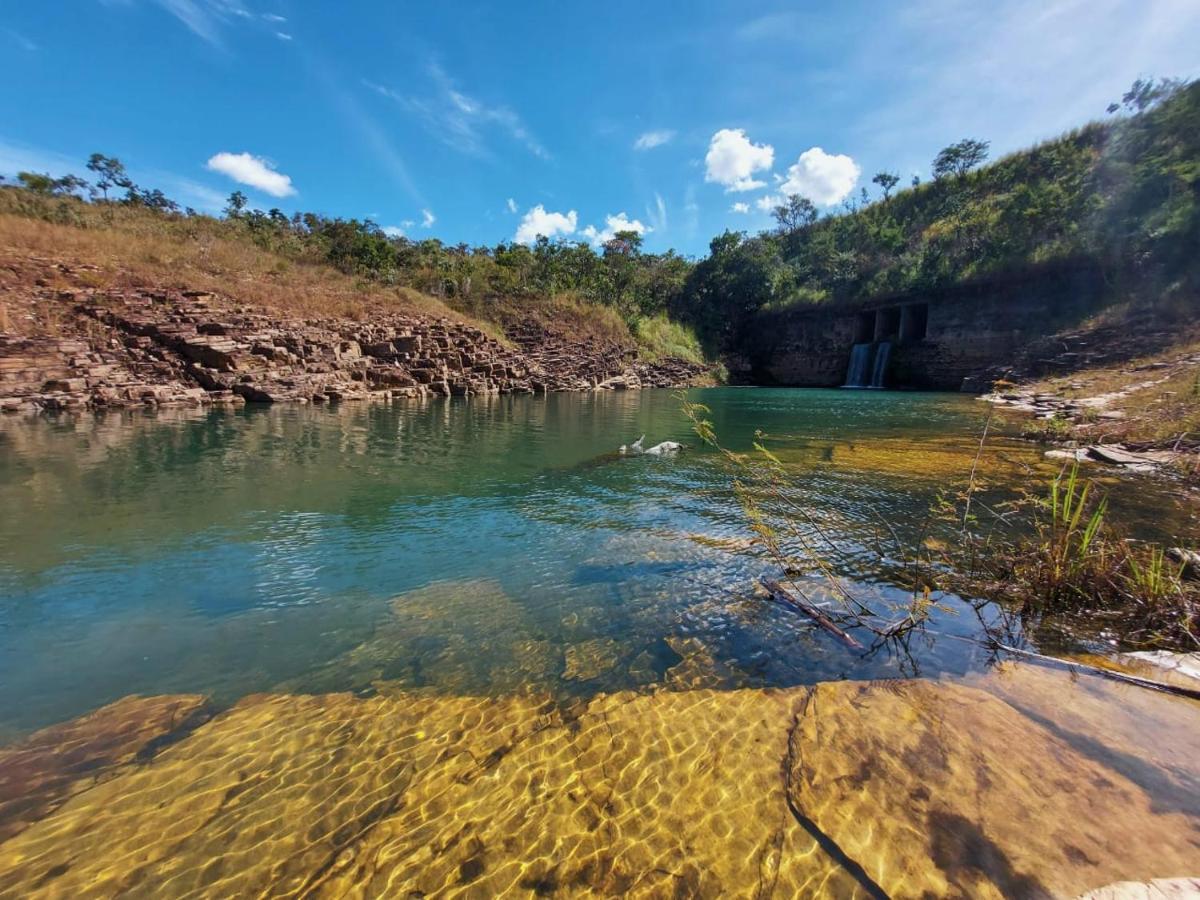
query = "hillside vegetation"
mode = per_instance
[
  {"x": 311, "y": 264},
  {"x": 1122, "y": 193}
]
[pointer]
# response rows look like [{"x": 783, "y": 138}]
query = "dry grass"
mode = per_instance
[
  {"x": 141, "y": 251},
  {"x": 1158, "y": 397}
]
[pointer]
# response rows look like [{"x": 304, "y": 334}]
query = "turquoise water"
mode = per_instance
[{"x": 229, "y": 552}]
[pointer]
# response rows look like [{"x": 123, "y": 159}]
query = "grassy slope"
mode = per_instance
[{"x": 136, "y": 247}]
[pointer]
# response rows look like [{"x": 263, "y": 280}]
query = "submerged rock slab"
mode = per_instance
[
  {"x": 937, "y": 789},
  {"x": 842, "y": 790},
  {"x": 37, "y": 774}
]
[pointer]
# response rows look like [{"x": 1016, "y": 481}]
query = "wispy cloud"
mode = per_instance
[
  {"x": 16, "y": 158},
  {"x": 459, "y": 120},
  {"x": 21, "y": 41},
  {"x": 202, "y": 18},
  {"x": 651, "y": 139},
  {"x": 657, "y": 213},
  {"x": 427, "y": 218},
  {"x": 207, "y": 19},
  {"x": 511, "y": 204}
]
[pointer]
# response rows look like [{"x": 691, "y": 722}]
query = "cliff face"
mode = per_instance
[
  {"x": 157, "y": 346},
  {"x": 950, "y": 339}
]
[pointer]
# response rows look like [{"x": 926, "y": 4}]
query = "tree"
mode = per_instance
[
  {"x": 235, "y": 205},
  {"x": 156, "y": 199},
  {"x": 1147, "y": 93},
  {"x": 960, "y": 158},
  {"x": 794, "y": 213},
  {"x": 110, "y": 172},
  {"x": 44, "y": 183},
  {"x": 886, "y": 181}
]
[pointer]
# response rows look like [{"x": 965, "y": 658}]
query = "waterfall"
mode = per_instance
[
  {"x": 883, "y": 353},
  {"x": 860, "y": 365}
]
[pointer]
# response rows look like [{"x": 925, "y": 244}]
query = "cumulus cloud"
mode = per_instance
[
  {"x": 651, "y": 139},
  {"x": 253, "y": 171},
  {"x": 393, "y": 231},
  {"x": 768, "y": 202},
  {"x": 740, "y": 208},
  {"x": 613, "y": 224},
  {"x": 512, "y": 205},
  {"x": 427, "y": 218},
  {"x": 823, "y": 178},
  {"x": 732, "y": 160},
  {"x": 538, "y": 221}
]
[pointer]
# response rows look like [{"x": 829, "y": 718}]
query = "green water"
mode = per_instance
[{"x": 229, "y": 552}]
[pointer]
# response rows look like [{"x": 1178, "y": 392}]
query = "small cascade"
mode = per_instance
[
  {"x": 860, "y": 365},
  {"x": 883, "y": 352}
]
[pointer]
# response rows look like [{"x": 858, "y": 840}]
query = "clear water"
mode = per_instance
[{"x": 294, "y": 548}]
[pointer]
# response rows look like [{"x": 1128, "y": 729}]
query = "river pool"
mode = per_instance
[{"x": 488, "y": 550}]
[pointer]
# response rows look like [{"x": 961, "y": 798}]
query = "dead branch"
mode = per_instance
[{"x": 780, "y": 595}]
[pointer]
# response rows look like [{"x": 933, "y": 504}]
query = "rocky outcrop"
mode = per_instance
[{"x": 159, "y": 347}]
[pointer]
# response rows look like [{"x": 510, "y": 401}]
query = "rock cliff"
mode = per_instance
[{"x": 157, "y": 346}]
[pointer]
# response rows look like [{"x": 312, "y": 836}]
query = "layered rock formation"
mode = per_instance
[
  {"x": 159, "y": 347},
  {"x": 1025, "y": 782}
]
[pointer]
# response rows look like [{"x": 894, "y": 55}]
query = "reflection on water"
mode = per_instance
[
  {"x": 468, "y": 547},
  {"x": 464, "y": 649}
]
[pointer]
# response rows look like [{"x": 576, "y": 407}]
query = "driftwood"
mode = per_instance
[{"x": 780, "y": 595}]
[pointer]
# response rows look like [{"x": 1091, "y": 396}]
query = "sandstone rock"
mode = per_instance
[{"x": 42, "y": 771}]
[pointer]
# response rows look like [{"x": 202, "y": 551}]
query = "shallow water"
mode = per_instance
[
  {"x": 467, "y": 547},
  {"x": 465, "y": 649}
]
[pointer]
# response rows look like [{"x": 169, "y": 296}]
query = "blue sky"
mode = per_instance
[{"x": 485, "y": 122}]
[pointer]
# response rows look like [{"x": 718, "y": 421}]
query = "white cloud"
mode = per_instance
[
  {"x": 283, "y": 35},
  {"x": 393, "y": 231},
  {"x": 613, "y": 224},
  {"x": 253, "y": 171},
  {"x": 461, "y": 121},
  {"x": 823, "y": 178},
  {"x": 427, "y": 218},
  {"x": 768, "y": 202},
  {"x": 539, "y": 222},
  {"x": 651, "y": 139},
  {"x": 271, "y": 17},
  {"x": 742, "y": 208},
  {"x": 407, "y": 223},
  {"x": 732, "y": 160},
  {"x": 512, "y": 205}
]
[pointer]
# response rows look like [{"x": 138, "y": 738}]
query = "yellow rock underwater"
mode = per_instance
[{"x": 904, "y": 788}]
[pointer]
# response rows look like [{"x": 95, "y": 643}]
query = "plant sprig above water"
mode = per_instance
[{"x": 1049, "y": 557}]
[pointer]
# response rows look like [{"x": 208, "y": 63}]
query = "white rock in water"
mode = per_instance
[
  {"x": 664, "y": 447},
  {"x": 1078, "y": 455}
]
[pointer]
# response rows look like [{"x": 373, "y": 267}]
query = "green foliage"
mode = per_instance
[
  {"x": 960, "y": 158},
  {"x": 659, "y": 336},
  {"x": 1124, "y": 194}
]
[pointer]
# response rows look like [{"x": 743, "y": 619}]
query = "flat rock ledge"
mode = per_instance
[
  {"x": 1024, "y": 782},
  {"x": 164, "y": 347}
]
